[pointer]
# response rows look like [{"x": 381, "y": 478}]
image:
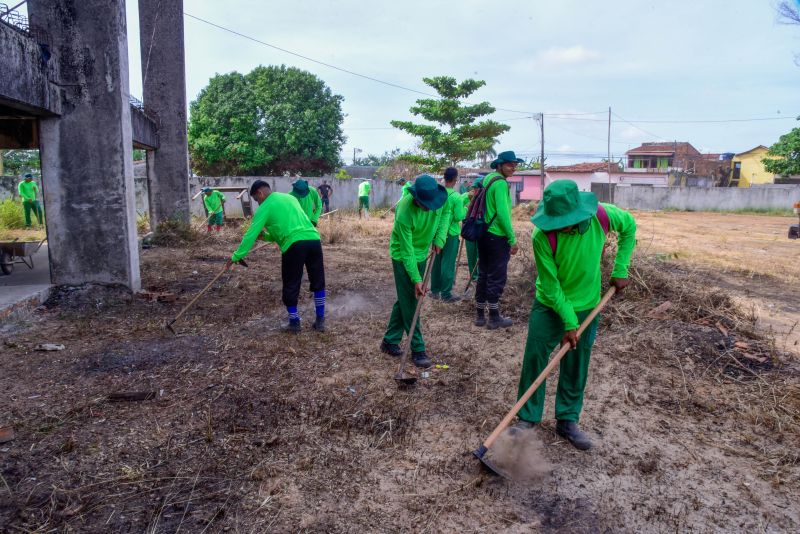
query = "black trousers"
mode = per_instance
[
  {"x": 494, "y": 252},
  {"x": 326, "y": 205},
  {"x": 301, "y": 253}
]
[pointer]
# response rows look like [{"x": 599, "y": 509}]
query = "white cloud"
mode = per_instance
[
  {"x": 563, "y": 148},
  {"x": 556, "y": 57}
]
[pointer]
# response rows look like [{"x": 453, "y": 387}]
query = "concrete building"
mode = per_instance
[
  {"x": 747, "y": 168},
  {"x": 64, "y": 90}
]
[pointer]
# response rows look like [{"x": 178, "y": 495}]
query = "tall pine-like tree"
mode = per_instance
[{"x": 459, "y": 136}]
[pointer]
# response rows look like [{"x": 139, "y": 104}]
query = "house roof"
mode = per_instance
[
  {"x": 594, "y": 166},
  {"x": 752, "y": 150},
  {"x": 659, "y": 149},
  {"x": 529, "y": 172}
]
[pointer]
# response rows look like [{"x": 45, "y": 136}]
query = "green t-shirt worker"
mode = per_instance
[
  {"x": 28, "y": 191},
  {"x": 214, "y": 201},
  {"x": 444, "y": 266},
  {"x": 279, "y": 219},
  {"x": 364, "y": 189},
  {"x": 568, "y": 244},
  {"x": 471, "y": 246},
  {"x": 419, "y": 226},
  {"x": 497, "y": 245},
  {"x": 309, "y": 200}
]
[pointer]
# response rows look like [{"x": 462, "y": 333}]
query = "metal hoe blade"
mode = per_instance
[
  {"x": 405, "y": 379},
  {"x": 480, "y": 454}
]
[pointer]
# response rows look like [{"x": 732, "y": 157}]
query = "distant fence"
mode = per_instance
[{"x": 707, "y": 199}]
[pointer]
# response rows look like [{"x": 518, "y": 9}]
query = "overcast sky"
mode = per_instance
[{"x": 663, "y": 61}]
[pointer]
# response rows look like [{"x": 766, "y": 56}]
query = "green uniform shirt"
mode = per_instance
[
  {"x": 414, "y": 230},
  {"x": 311, "y": 204},
  {"x": 28, "y": 190},
  {"x": 284, "y": 221},
  {"x": 498, "y": 201},
  {"x": 363, "y": 188},
  {"x": 570, "y": 282},
  {"x": 213, "y": 201},
  {"x": 456, "y": 210},
  {"x": 404, "y": 191}
]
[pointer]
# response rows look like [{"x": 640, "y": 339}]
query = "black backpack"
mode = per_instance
[{"x": 474, "y": 225}]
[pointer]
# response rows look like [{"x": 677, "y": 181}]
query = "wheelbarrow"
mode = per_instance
[{"x": 13, "y": 252}]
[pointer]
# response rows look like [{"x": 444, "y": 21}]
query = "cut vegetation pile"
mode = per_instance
[{"x": 696, "y": 416}]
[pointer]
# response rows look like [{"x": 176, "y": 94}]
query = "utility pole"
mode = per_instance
[
  {"x": 609, "y": 150},
  {"x": 541, "y": 161}
]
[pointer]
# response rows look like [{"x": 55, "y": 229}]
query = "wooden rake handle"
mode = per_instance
[
  {"x": 202, "y": 292},
  {"x": 407, "y": 348},
  {"x": 547, "y": 370}
]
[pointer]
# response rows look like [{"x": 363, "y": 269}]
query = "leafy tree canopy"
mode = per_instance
[
  {"x": 16, "y": 162},
  {"x": 274, "y": 120},
  {"x": 458, "y": 136},
  {"x": 786, "y": 155}
]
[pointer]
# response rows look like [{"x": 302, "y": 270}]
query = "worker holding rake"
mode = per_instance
[
  {"x": 280, "y": 219},
  {"x": 419, "y": 226},
  {"x": 214, "y": 201},
  {"x": 444, "y": 266},
  {"x": 568, "y": 242}
]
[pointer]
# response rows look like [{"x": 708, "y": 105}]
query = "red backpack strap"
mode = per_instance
[
  {"x": 552, "y": 238},
  {"x": 602, "y": 216}
]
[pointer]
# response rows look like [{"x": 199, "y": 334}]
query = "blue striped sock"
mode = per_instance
[
  {"x": 293, "y": 315},
  {"x": 319, "y": 303}
]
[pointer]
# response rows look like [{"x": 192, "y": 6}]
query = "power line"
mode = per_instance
[
  {"x": 639, "y": 128},
  {"x": 340, "y": 69},
  {"x": 681, "y": 121}
]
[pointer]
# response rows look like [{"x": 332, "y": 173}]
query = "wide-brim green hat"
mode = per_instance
[
  {"x": 428, "y": 192},
  {"x": 206, "y": 190},
  {"x": 563, "y": 205},
  {"x": 300, "y": 188},
  {"x": 505, "y": 157}
]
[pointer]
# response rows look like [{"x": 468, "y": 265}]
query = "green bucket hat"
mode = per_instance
[
  {"x": 478, "y": 182},
  {"x": 428, "y": 193},
  {"x": 206, "y": 190},
  {"x": 300, "y": 188},
  {"x": 563, "y": 205},
  {"x": 506, "y": 157},
  {"x": 28, "y": 175}
]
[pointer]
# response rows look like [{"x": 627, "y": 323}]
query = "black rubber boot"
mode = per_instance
[
  {"x": 521, "y": 425},
  {"x": 293, "y": 327},
  {"x": 451, "y": 299},
  {"x": 319, "y": 324},
  {"x": 497, "y": 321},
  {"x": 391, "y": 349},
  {"x": 570, "y": 431},
  {"x": 480, "y": 314},
  {"x": 421, "y": 359}
]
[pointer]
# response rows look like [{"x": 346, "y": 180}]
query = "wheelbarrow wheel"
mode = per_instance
[{"x": 6, "y": 264}]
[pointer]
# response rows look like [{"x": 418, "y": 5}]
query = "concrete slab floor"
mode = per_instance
[{"x": 25, "y": 287}]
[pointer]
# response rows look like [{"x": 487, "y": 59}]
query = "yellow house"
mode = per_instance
[{"x": 747, "y": 168}]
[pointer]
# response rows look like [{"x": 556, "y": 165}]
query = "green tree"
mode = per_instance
[
  {"x": 458, "y": 137},
  {"x": 786, "y": 155},
  {"x": 274, "y": 120},
  {"x": 375, "y": 160},
  {"x": 15, "y": 162}
]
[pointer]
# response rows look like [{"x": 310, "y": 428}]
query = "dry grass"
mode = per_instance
[
  {"x": 259, "y": 431},
  {"x": 746, "y": 244}
]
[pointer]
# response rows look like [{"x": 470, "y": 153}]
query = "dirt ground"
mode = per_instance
[{"x": 694, "y": 409}]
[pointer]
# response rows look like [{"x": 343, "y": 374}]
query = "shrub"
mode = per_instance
[{"x": 11, "y": 214}]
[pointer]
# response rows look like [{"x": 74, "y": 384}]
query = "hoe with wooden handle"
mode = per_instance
[
  {"x": 402, "y": 377},
  {"x": 480, "y": 452}
]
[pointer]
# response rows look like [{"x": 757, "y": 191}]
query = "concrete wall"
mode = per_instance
[
  {"x": 345, "y": 192},
  {"x": 24, "y": 81},
  {"x": 705, "y": 199}
]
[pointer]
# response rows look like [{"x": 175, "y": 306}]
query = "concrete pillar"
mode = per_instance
[
  {"x": 164, "y": 81},
  {"x": 86, "y": 153}
]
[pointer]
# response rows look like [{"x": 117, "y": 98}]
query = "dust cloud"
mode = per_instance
[{"x": 519, "y": 453}]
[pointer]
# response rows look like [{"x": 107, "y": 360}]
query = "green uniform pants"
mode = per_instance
[
  {"x": 216, "y": 218},
  {"x": 545, "y": 330},
  {"x": 472, "y": 258},
  {"x": 444, "y": 268},
  {"x": 404, "y": 308},
  {"x": 363, "y": 202},
  {"x": 34, "y": 205}
]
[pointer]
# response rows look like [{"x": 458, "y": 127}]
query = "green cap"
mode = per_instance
[{"x": 563, "y": 205}]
